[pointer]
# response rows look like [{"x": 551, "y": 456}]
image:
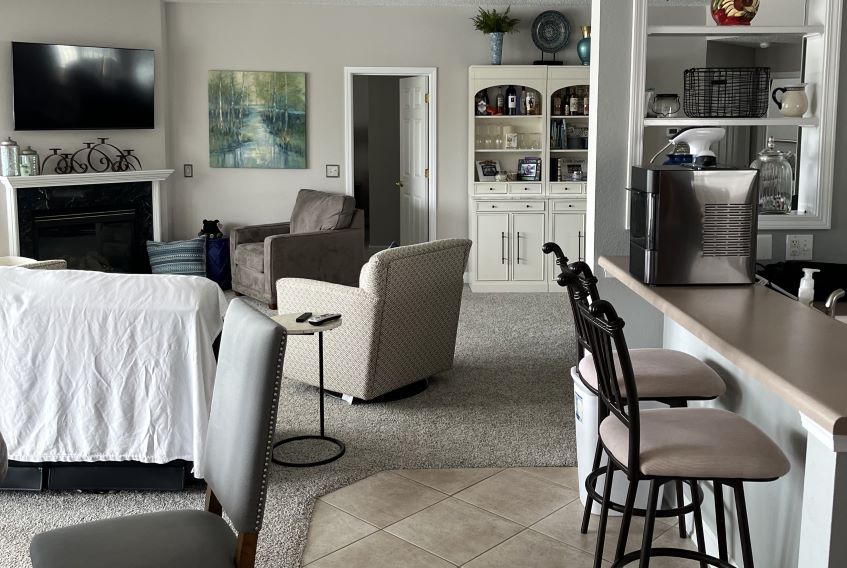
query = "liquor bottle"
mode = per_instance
[
  {"x": 501, "y": 101},
  {"x": 585, "y": 102},
  {"x": 522, "y": 102},
  {"x": 531, "y": 102},
  {"x": 512, "y": 100},
  {"x": 482, "y": 105},
  {"x": 575, "y": 103}
]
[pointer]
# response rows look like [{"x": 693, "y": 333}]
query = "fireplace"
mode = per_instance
[
  {"x": 102, "y": 240},
  {"x": 97, "y": 221},
  {"x": 92, "y": 227}
]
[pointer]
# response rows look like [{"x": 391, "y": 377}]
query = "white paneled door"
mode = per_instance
[{"x": 414, "y": 164}]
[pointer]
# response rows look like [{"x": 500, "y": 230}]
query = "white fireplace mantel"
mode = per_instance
[{"x": 13, "y": 184}]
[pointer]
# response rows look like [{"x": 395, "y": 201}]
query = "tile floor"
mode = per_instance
[{"x": 479, "y": 518}]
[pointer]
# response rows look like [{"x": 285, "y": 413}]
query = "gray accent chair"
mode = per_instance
[
  {"x": 325, "y": 240},
  {"x": 238, "y": 454},
  {"x": 399, "y": 326}
]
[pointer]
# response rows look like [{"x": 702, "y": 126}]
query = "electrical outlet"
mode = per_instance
[
  {"x": 333, "y": 170},
  {"x": 798, "y": 247}
]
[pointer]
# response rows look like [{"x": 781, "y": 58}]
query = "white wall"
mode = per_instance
[
  {"x": 321, "y": 40},
  {"x": 107, "y": 23}
]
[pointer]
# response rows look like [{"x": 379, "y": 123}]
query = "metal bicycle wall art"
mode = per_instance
[{"x": 96, "y": 157}]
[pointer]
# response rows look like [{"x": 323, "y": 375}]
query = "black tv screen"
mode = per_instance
[{"x": 73, "y": 87}]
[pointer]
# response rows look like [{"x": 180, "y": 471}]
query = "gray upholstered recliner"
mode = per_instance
[
  {"x": 399, "y": 326},
  {"x": 238, "y": 454},
  {"x": 325, "y": 240}
]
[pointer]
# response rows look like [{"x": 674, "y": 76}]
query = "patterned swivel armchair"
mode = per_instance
[{"x": 399, "y": 326}]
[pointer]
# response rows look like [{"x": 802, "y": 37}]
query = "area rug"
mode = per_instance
[{"x": 506, "y": 403}]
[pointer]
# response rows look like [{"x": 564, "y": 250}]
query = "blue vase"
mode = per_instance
[
  {"x": 583, "y": 48},
  {"x": 496, "y": 46}
]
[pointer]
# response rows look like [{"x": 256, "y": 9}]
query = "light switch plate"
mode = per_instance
[
  {"x": 798, "y": 247},
  {"x": 333, "y": 170},
  {"x": 764, "y": 247},
  {"x": 188, "y": 170}
]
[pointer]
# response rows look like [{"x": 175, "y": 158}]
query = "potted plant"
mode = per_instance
[{"x": 495, "y": 24}]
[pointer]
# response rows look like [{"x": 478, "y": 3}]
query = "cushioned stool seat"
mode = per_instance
[
  {"x": 169, "y": 538},
  {"x": 662, "y": 373},
  {"x": 697, "y": 443}
]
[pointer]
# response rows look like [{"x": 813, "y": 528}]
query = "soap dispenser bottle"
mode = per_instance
[{"x": 806, "y": 294}]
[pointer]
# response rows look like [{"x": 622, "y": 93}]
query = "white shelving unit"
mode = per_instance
[
  {"x": 509, "y": 221},
  {"x": 819, "y": 38}
]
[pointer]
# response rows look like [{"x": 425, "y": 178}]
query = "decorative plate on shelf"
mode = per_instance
[{"x": 551, "y": 31}]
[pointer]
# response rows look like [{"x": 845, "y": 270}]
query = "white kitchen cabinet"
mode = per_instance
[
  {"x": 528, "y": 260},
  {"x": 492, "y": 247},
  {"x": 567, "y": 229}
]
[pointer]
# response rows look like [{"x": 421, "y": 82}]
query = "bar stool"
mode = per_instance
[
  {"x": 662, "y": 375},
  {"x": 669, "y": 446}
]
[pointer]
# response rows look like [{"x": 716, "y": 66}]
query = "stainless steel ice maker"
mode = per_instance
[{"x": 690, "y": 226}]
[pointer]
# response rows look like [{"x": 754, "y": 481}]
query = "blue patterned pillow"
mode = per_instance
[{"x": 178, "y": 257}]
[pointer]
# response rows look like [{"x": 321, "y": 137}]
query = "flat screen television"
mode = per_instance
[{"x": 74, "y": 87}]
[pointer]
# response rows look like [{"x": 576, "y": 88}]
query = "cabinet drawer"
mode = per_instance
[
  {"x": 570, "y": 205},
  {"x": 510, "y": 206},
  {"x": 489, "y": 188},
  {"x": 567, "y": 187},
  {"x": 525, "y": 188}
]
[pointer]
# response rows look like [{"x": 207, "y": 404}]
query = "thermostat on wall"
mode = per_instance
[{"x": 333, "y": 170}]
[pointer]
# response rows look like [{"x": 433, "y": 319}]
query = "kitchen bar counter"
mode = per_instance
[
  {"x": 797, "y": 352},
  {"x": 785, "y": 366}
]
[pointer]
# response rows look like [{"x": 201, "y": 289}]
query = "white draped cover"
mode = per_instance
[{"x": 106, "y": 367}]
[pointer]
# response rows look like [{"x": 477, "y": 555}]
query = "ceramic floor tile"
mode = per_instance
[
  {"x": 518, "y": 496},
  {"x": 566, "y": 476},
  {"x": 384, "y": 498},
  {"x": 332, "y": 529},
  {"x": 670, "y": 539},
  {"x": 454, "y": 530},
  {"x": 563, "y": 525},
  {"x": 448, "y": 481},
  {"x": 380, "y": 550},
  {"x": 530, "y": 548}
]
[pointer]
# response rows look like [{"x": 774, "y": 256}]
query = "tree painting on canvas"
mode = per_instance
[{"x": 257, "y": 119}]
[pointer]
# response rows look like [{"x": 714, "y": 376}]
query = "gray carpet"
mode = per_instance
[{"x": 507, "y": 402}]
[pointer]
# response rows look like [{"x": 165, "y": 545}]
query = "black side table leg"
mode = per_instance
[{"x": 322, "y": 436}]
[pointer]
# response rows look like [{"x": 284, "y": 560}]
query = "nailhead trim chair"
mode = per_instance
[
  {"x": 669, "y": 446},
  {"x": 238, "y": 455},
  {"x": 662, "y": 375}
]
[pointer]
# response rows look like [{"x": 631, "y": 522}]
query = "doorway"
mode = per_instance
[{"x": 390, "y": 152}]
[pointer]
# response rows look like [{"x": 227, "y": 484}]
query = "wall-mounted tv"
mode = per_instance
[{"x": 73, "y": 87}]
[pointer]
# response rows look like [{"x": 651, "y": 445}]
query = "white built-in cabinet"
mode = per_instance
[{"x": 511, "y": 220}]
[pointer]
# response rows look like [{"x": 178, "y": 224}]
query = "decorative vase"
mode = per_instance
[
  {"x": 583, "y": 48},
  {"x": 496, "y": 45},
  {"x": 734, "y": 12}
]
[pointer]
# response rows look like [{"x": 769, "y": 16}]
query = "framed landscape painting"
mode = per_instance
[{"x": 257, "y": 119}]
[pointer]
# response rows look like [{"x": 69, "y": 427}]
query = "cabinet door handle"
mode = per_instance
[
  {"x": 579, "y": 246},
  {"x": 518, "y": 252},
  {"x": 502, "y": 248},
  {"x": 494, "y": 207}
]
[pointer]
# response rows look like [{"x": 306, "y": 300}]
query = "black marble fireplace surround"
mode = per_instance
[{"x": 101, "y": 202}]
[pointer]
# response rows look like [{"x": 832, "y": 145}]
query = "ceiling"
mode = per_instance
[{"x": 444, "y": 3}]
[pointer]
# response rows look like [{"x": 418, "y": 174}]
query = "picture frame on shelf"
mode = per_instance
[
  {"x": 529, "y": 169},
  {"x": 486, "y": 170}
]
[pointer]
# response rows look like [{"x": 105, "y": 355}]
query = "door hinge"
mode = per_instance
[
  {"x": 426, "y": 173},
  {"x": 426, "y": 98}
]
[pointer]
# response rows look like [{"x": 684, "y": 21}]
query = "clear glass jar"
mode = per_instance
[{"x": 776, "y": 180}]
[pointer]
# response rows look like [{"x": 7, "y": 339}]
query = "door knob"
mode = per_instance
[{"x": 398, "y": 183}]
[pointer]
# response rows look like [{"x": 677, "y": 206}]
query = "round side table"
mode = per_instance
[{"x": 293, "y": 327}]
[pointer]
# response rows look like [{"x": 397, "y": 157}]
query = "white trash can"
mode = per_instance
[{"x": 586, "y": 409}]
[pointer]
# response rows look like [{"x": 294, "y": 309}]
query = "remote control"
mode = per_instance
[
  {"x": 303, "y": 317},
  {"x": 322, "y": 319}
]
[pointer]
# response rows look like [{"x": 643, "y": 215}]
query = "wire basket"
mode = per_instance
[{"x": 727, "y": 92}]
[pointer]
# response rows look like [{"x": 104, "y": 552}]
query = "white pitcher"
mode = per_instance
[{"x": 794, "y": 101}]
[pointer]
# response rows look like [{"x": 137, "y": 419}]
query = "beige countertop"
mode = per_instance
[{"x": 797, "y": 352}]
